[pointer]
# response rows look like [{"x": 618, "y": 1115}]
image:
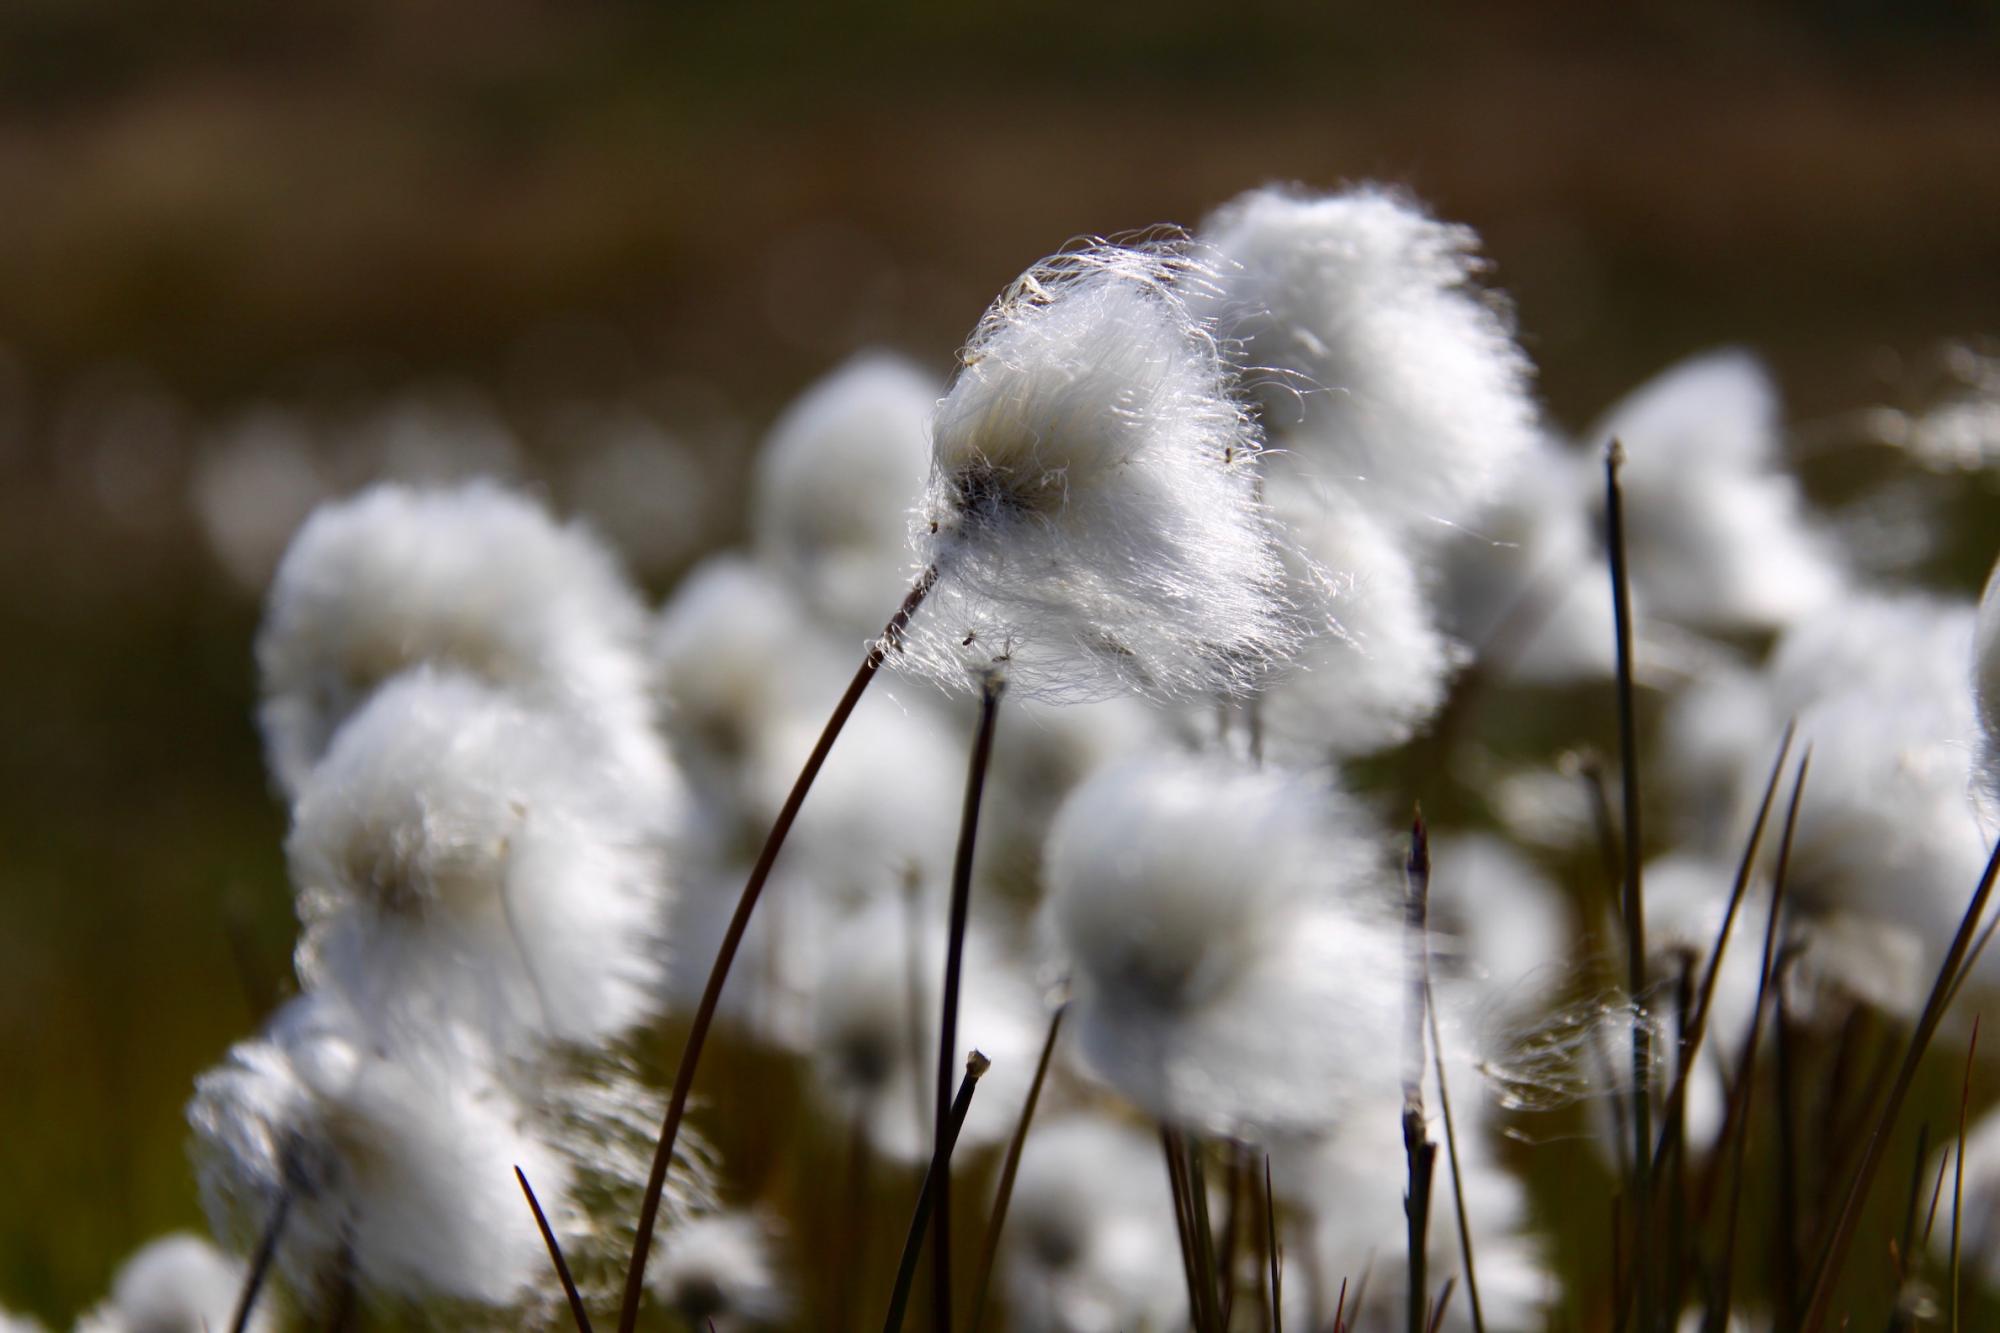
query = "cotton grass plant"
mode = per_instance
[{"x": 1101, "y": 985}]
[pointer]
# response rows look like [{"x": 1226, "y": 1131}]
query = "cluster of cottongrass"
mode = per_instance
[{"x": 1204, "y": 535}]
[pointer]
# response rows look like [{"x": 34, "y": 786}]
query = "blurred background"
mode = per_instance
[{"x": 253, "y": 255}]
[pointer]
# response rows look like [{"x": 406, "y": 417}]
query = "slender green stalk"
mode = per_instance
[
  {"x": 1005, "y": 1193},
  {"x": 913, "y": 1244},
  {"x": 1635, "y": 897},
  {"x": 1950, "y": 976},
  {"x": 260, "y": 1262},
  {"x": 575, "y": 1298},
  {"x": 732, "y": 940},
  {"x": 954, "y": 965}
]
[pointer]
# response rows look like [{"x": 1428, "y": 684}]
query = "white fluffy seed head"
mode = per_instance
[
  {"x": 1090, "y": 1231},
  {"x": 1715, "y": 531},
  {"x": 457, "y": 855},
  {"x": 1385, "y": 670},
  {"x": 1387, "y": 371},
  {"x": 836, "y": 482},
  {"x": 176, "y": 1284},
  {"x": 1231, "y": 962},
  {"x": 475, "y": 579},
  {"x": 405, "y": 1160},
  {"x": 1092, "y": 509},
  {"x": 720, "y": 1271}
]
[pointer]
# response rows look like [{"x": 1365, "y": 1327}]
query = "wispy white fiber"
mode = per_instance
[
  {"x": 837, "y": 480},
  {"x": 475, "y": 579},
  {"x": 1090, "y": 1245},
  {"x": 178, "y": 1283},
  {"x": 1716, "y": 535},
  {"x": 1384, "y": 670},
  {"x": 719, "y": 1270},
  {"x": 1092, "y": 507},
  {"x": 1230, "y": 966},
  {"x": 1383, "y": 368},
  {"x": 456, "y": 854}
]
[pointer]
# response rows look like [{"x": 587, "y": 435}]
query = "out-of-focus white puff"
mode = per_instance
[
  {"x": 1388, "y": 373},
  {"x": 878, "y": 1061},
  {"x": 1232, "y": 965},
  {"x": 175, "y": 1284},
  {"x": 405, "y": 1160},
  {"x": 1351, "y": 1184},
  {"x": 718, "y": 1271},
  {"x": 458, "y": 854},
  {"x": 1986, "y": 698},
  {"x": 474, "y": 579},
  {"x": 1979, "y": 1216},
  {"x": 1384, "y": 671},
  {"x": 1092, "y": 509},
  {"x": 1090, "y": 1245},
  {"x": 1715, "y": 532},
  {"x": 1499, "y": 920},
  {"x": 837, "y": 480}
]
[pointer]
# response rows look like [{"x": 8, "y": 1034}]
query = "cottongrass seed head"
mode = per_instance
[
  {"x": 176, "y": 1284},
  {"x": 1093, "y": 511},
  {"x": 1233, "y": 963},
  {"x": 1379, "y": 364}
]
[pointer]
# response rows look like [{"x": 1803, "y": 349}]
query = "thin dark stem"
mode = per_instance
[
  {"x": 1905, "y": 1264},
  {"x": 1009, "y": 1168},
  {"x": 1204, "y": 1234},
  {"x": 1635, "y": 897},
  {"x": 341, "y": 1316},
  {"x": 1417, "y": 1147},
  {"x": 1457, "y": 1179},
  {"x": 1950, "y": 975},
  {"x": 1690, "y": 1045},
  {"x": 260, "y": 1263},
  {"x": 1272, "y": 1249},
  {"x": 954, "y": 964},
  {"x": 1786, "y": 1241},
  {"x": 1231, "y": 1232},
  {"x": 1440, "y": 1305},
  {"x": 1183, "y": 1222},
  {"x": 1746, "y": 1078},
  {"x": 906, "y": 1270},
  {"x": 1958, "y": 1173},
  {"x": 732, "y": 940},
  {"x": 576, "y": 1310}
]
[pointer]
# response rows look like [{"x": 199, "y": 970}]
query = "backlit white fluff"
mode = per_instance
[
  {"x": 836, "y": 482},
  {"x": 1092, "y": 508},
  {"x": 176, "y": 1284},
  {"x": 1715, "y": 531},
  {"x": 456, "y": 855},
  {"x": 475, "y": 579},
  {"x": 405, "y": 1160},
  {"x": 1090, "y": 1245},
  {"x": 878, "y": 1063},
  {"x": 17, "y": 1323},
  {"x": 1389, "y": 373},
  {"x": 1529, "y": 589},
  {"x": 1501, "y": 922},
  {"x": 1979, "y": 1215},
  {"x": 1230, "y": 966},
  {"x": 1384, "y": 672},
  {"x": 719, "y": 1271}
]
